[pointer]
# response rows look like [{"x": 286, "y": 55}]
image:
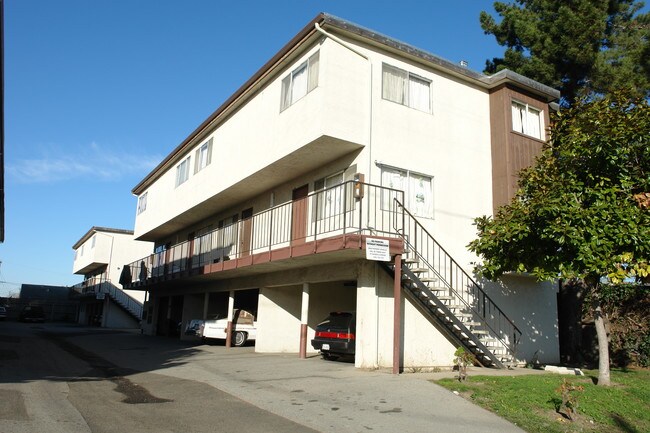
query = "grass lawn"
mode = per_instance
[{"x": 530, "y": 401}]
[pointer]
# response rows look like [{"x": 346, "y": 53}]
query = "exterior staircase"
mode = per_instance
[
  {"x": 129, "y": 304},
  {"x": 94, "y": 286},
  {"x": 450, "y": 297}
]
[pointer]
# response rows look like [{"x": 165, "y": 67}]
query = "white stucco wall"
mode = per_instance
[
  {"x": 278, "y": 319},
  {"x": 258, "y": 134},
  {"x": 423, "y": 346},
  {"x": 115, "y": 317},
  {"x": 532, "y": 306}
]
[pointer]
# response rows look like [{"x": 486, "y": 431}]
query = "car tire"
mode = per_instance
[{"x": 239, "y": 338}]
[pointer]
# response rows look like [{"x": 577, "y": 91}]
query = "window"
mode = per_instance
[
  {"x": 183, "y": 171},
  {"x": 527, "y": 120},
  {"x": 301, "y": 81},
  {"x": 418, "y": 190},
  {"x": 330, "y": 199},
  {"x": 142, "y": 203},
  {"x": 92, "y": 241},
  {"x": 203, "y": 156},
  {"x": 405, "y": 88}
]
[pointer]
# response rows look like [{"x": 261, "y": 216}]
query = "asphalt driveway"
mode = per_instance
[{"x": 322, "y": 395}]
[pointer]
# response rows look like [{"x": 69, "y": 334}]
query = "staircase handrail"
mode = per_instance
[
  {"x": 123, "y": 298},
  {"x": 475, "y": 285}
]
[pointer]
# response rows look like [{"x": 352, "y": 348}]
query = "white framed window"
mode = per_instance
[
  {"x": 405, "y": 88},
  {"x": 142, "y": 203},
  {"x": 183, "y": 171},
  {"x": 203, "y": 156},
  {"x": 300, "y": 81},
  {"x": 92, "y": 241},
  {"x": 330, "y": 200},
  {"x": 417, "y": 187},
  {"x": 527, "y": 120}
]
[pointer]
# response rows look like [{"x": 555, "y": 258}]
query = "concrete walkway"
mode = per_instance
[{"x": 323, "y": 395}]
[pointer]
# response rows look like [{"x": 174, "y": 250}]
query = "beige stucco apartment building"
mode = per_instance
[
  {"x": 348, "y": 138},
  {"x": 102, "y": 256}
]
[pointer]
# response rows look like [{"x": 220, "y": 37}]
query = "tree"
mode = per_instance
[
  {"x": 583, "y": 209},
  {"x": 580, "y": 47}
]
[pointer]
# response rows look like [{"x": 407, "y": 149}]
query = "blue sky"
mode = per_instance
[{"x": 98, "y": 92}]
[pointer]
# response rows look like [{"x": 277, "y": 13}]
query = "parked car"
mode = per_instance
[
  {"x": 3, "y": 313},
  {"x": 244, "y": 328},
  {"x": 32, "y": 313},
  {"x": 335, "y": 336}
]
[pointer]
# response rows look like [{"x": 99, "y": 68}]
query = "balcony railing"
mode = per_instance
[
  {"x": 349, "y": 208},
  {"x": 90, "y": 285}
]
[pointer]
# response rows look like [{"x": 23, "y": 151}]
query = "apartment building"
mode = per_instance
[
  {"x": 102, "y": 256},
  {"x": 345, "y": 176}
]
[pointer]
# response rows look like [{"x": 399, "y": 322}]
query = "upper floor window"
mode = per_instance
[
  {"x": 203, "y": 156},
  {"x": 418, "y": 190},
  {"x": 527, "y": 120},
  {"x": 300, "y": 81},
  {"x": 183, "y": 171},
  {"x": 405, "y": 88},
  {"x": 142, "y": 203},
  {"x": 92, "y": 241}
]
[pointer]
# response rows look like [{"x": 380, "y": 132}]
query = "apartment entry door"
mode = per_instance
[
  {"x": 299, "y": 211},
  {"x": 246, "y": 234}
]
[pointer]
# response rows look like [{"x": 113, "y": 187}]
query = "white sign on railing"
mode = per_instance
[{"x": 377, "y": 249}]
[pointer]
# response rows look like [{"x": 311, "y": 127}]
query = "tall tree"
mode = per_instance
[
  {"x": 583, "y": 210},
  {"x": 580, "y": 47}
]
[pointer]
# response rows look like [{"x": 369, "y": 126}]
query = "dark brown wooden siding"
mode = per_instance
[{"x": 511, "y": 151}]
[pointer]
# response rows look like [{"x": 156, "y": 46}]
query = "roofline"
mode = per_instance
[
  {"x": 96, "y": 229},
  {"x": 487, "y": 81},
  {"x": 307, "y": 31}
]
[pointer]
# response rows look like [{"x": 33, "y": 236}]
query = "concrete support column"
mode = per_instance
[
  {"x": 206, "y": 304},
  {"x": 368, "y": 337},
  {"x": 304, "y": 320},
  {"x": 397, "y": 316},
  {"x": 231, "y": 310}
]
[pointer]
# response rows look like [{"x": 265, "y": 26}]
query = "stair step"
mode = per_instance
[
  {"x": 431, "y": 280},
  {"x": 410, "y": 261},
  {"x": 419, "y": 270}
]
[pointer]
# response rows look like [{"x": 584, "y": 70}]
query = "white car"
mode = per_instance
[{"x": 244, "y": 328}]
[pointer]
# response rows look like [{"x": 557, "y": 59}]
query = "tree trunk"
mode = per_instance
[{"x": 603, "y": 345}]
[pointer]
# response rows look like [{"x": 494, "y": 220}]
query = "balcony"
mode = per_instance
[
  {"x": 325, "y": 226},
  {"x": 91, "y": 286}
]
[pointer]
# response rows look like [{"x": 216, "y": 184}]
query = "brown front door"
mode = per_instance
[
  {"x": 246, "y": 232},
  {"x": 299, "y": 215}
]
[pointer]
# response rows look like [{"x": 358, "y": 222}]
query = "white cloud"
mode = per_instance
[{"x": 92, "y": 162}]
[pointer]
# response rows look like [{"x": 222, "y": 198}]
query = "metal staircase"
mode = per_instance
[
  {"x": 467, "y": 315},
  {"x": 129, "y": 304}
]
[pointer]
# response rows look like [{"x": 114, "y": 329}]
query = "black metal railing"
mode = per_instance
[
  {"x": 347, "y": 208},
  {"x": 458, "y": 283}
]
